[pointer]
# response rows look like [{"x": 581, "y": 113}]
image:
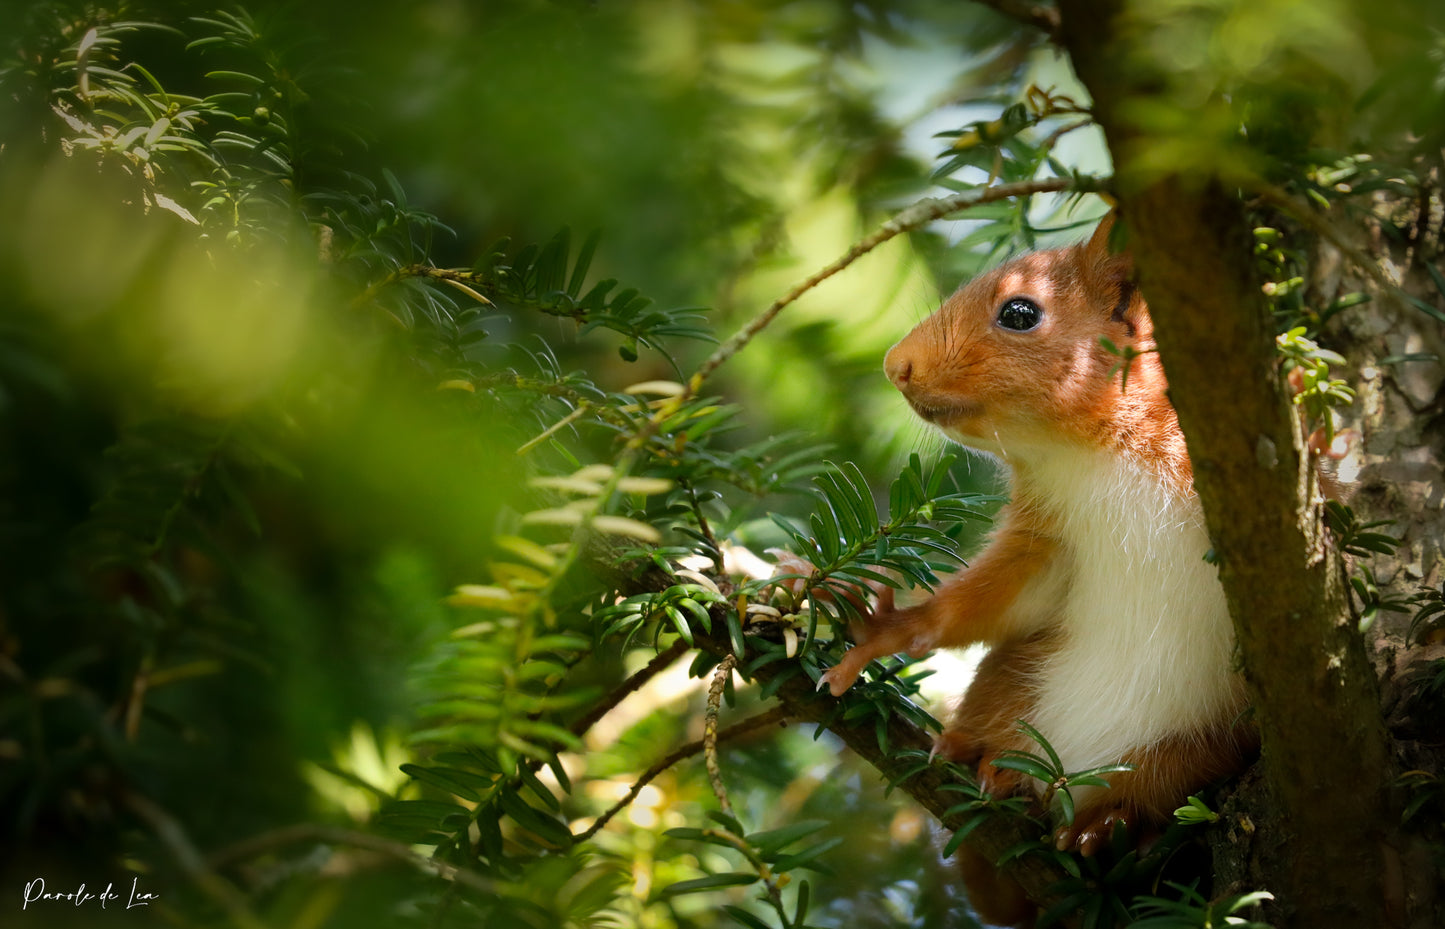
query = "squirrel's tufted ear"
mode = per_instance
[
  {"x": 1101, "y": 265},
  {"x": 1097, "y": 248},
  {"x": 1111, "y": 274}
]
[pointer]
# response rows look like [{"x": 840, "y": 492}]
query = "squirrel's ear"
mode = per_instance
[
  {"x": 1109, "y": 231},
  {"x": 1103, "y": 263},
  {"x": 1112, "y": 273}
]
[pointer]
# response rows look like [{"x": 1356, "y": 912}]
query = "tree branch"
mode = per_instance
[
  {"x": 720, "y": 676},
  {"x": 628, "y": 687},
  {"x": 761, "y": 721},
  {"x": 1324, "y": 744},
  {"x": 257, "y": 845},
  {"x": 935, "y": 787}
]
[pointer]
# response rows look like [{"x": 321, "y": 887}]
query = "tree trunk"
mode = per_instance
[{"x": 1325, "y": 758}]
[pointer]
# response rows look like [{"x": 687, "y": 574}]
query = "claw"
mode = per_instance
[
  {"x": 1090, "y": 843},
  {"x": 1088, "y": 837},
  {"x": 832, "y": 679}
]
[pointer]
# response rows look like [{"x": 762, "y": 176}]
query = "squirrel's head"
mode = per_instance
[{"x": 1015, "y": 357}]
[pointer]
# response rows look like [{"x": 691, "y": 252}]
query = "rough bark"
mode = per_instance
[
  {"x": 1325, "y": 757},
  {"x": 1399, "y": 413},
  {"x": 1396, "y": 467}
]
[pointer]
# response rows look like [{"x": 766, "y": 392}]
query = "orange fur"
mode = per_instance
[
  {"x": 985, "y": 723},
  {"x": 972, "y": 607},
  {"x": 997, "y": 899},
  {"x": 1164, "y": 775},
  {"x": 960, "y": 373}
]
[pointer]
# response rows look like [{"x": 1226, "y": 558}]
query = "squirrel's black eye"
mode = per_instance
[{"x": 1020, "y": 315}]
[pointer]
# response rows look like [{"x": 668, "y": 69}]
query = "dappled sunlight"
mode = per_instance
[
  {"x": 363, "y": 773},
  {"x": 216, "y": 330}
]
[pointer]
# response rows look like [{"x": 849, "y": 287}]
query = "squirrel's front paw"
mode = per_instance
[
  {"x": 886, "y": 631},
  {"x": 842, "y": 675}
]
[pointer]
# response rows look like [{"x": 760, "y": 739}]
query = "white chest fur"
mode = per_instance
[{"x": 1147, "y": 641}]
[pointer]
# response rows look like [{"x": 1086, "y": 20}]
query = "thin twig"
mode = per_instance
[
  {"x": 915, "y": 216},
  {"x": 761, "y": 721},
  {"x": 376, "y": 287},
  {"x": 703, "y": 526},
  {"x": 628, "y": 687},
  {"x": 173, "y": 836},
  {"x": 709, "y": 730},
  {"x": 1059, "y": 133},
  {"x": 250, "y": 848},
  {"x": 465, "y": 281},
  {"x": 770, "y": 880},
  {"x": 582, "y": 409}
]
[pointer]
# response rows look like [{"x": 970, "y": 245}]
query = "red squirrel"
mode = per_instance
[{"x": 1109, "y": 631}]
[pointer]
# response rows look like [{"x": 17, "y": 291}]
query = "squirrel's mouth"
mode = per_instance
[{"x": 943, "y": 414}]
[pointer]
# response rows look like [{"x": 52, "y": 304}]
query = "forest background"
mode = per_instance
[{"x": 384, "y": 387}]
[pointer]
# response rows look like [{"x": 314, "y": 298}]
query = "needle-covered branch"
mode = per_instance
[{"x": 934, "y": 787}]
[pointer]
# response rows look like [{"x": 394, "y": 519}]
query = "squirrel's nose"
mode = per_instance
[{"x": 898, "y": 365}]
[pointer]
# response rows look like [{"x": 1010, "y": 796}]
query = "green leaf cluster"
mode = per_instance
[{"x": 851, "y": 549}]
